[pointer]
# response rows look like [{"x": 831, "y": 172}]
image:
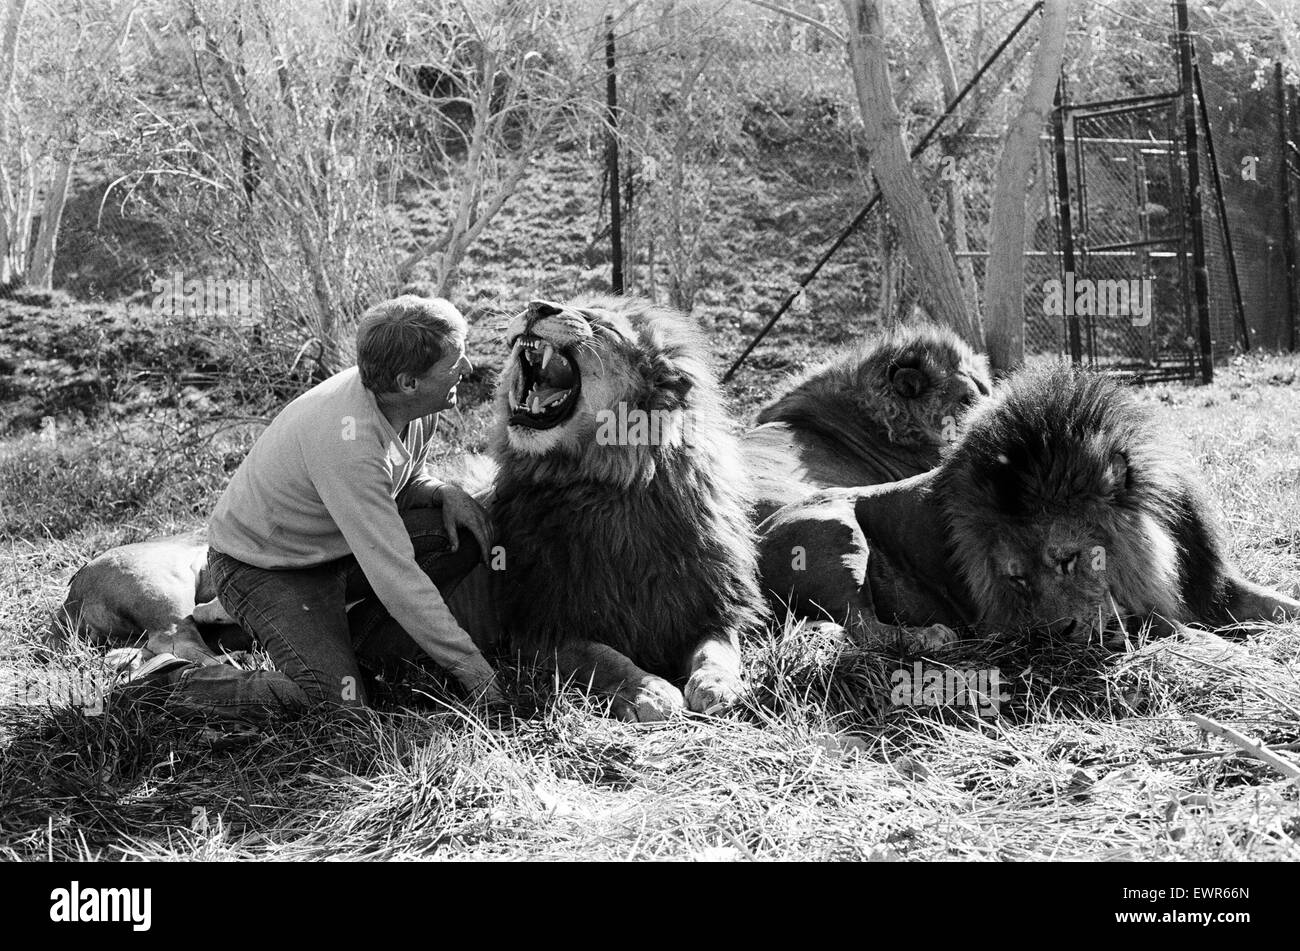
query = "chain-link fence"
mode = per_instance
[
  {"x": 1131, "y": 237},
  {"x": 1136, "y": 228},
  {"x": 1248, "y": 126}
]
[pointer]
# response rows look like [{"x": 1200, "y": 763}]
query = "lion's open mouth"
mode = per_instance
[{"x": 545, "y": 391}]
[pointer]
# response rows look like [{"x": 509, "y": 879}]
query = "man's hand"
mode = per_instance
[
  {"x": 479, "y": 681},
  {"x": 459, "y": 510}
]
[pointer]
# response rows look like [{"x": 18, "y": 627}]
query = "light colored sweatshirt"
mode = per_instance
[{"x": 324, "y": 480}]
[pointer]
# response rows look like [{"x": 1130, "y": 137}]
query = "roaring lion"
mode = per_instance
[
  {"x": 621, "y": 506},
  {"x": 1059, "y": 508},
  {"x": 879, "y": 414}
]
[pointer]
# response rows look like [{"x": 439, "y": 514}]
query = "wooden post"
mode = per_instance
[
  {"x": 1200, "y": 271},
  {"x": 1063, "y": 213},
  {"x": 1221, "y": 208},
  {"x": 611, "y": 158},
  {"x": 1288, "y": 224}
]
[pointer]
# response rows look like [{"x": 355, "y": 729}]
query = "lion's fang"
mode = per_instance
[
  {"x": 547, "y": 353},
  {"x": 535, "y": 406}
]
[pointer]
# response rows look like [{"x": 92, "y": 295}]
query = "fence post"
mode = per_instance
[
  {"x": 1288, "y": 226},
  {"x": 1063, "y": 213},
  {"x": 1200, "y": 271},
  {"x": 611, "y": 158},
  {"x": 1221, "y": 208}
]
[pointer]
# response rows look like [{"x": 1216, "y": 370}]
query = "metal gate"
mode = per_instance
[{"x": 1129, "y": 235}]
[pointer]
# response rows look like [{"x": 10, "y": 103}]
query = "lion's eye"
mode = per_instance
[
  {"x": 1066, "y": 566},
  {"x": 1019, "y": 582}
]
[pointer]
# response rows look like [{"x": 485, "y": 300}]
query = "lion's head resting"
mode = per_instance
[
  {"x": 908, "y": 388},
  {"x": 1064, "y": 505}
]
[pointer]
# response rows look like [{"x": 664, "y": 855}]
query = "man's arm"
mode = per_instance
[
  {"x": 356, "y": 494},
  {"x": 422, "y": 491}
]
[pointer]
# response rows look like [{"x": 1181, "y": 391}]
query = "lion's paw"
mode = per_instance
[
  {"x": 933, "y": 637},
  {"x": 712, "y": 690},
  {"x": 651, "y": 700}
]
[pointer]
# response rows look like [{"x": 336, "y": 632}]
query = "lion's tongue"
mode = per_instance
[{"x": 539, "y": 396}]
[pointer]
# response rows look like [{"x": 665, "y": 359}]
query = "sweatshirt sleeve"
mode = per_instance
[{"x": 355, "y": 492}]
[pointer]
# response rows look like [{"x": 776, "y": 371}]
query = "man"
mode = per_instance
[{"x": 332, "y": 506}]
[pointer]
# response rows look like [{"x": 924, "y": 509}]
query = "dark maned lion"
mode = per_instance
[
  {"x": 621, "y": 505},
  {"x": 1059, "y": 508},
  {"x": 879, "y": 414}
]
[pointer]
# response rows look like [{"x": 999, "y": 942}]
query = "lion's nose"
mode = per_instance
[{"x": 539, "y": 309}]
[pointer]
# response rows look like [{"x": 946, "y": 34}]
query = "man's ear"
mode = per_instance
[{"x": 405, "y": 382}]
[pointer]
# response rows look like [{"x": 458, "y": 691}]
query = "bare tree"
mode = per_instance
[
  {"x": 522, "y": 74},
  {"x": 681, "y": 126},
  {"x": 958, "y": 239},
  {"x": 325, "y": 114},
  {"x": 905, "y": 199},
  {"x": 56, "y": 75},
  {"x": 1004, "y": 276}
]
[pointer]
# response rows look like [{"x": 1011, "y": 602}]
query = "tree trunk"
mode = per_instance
[
  {"x": 40, "y": 274},
  {"x": 957, "y": 237},
  {"x": 917, "y": 225},
  {"x": 1004, "y": 276},
  {"x": 8, "y": 57}
]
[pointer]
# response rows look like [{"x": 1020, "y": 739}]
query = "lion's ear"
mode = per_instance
[
  {"x": 668, "y": 385},
  {"x": 908, "y": 382}
]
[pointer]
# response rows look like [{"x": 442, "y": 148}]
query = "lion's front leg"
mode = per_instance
[
  {"x": 637, "y": 694},
  {"x": 1247, "y": 601},
  {"x": 715, "y": 681}
]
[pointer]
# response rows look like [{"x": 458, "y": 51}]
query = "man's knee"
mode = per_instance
[{"x": 446, "y": 567}]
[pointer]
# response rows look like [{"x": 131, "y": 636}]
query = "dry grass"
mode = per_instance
[{"x": 1093, "y": 754}]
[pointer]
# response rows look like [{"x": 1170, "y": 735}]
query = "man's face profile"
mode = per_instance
[{"x": 436, "y": 389}]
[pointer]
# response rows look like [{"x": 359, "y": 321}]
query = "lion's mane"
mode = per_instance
[
  {"x": 877, "y": 414},
  {"x": 645, "y": 548},
  {"x": 1071, "y": 445}
]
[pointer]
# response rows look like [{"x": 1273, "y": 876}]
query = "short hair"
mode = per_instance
[{"x": 407, "y": 334}]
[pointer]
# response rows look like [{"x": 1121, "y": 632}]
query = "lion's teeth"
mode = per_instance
[
  {"x": 547, "y": 353},
  {"x": 536, "y": 405}
]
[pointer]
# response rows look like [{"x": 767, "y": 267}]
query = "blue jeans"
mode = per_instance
[{"x": 299, "y": 616}]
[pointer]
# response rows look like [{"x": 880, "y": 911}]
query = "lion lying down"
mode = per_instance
[
  {"x": 159, "y": 588},
  {"x": 1059, "y": 509},
  {"x": 628, "y": 557},
  {"x": 621, "y": 505},
  {"x": 878, "y": 414}
]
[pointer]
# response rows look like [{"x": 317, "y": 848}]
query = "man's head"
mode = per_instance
[{"x": 411, "y": 353}]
